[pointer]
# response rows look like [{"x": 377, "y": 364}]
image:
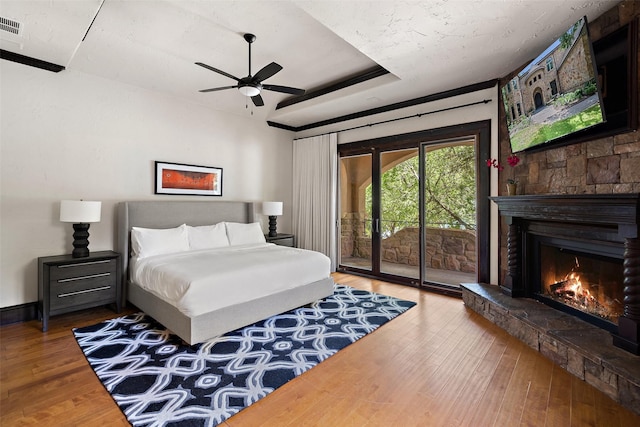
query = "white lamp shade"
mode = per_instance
[
  {"x": 80, "y": 211},
  {"x": 272, "y": 208}
]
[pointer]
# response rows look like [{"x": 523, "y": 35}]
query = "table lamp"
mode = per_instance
[
  {"x": 80, "y": 213},
  {"x": 272, "y": 210}
]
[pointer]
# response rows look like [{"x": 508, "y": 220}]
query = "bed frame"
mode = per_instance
[{"x": 167, "y": 214}]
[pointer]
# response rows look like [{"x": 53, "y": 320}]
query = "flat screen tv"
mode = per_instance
[{"x": 557, "y": 95}]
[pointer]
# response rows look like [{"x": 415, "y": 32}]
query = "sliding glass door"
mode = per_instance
[
  {"x": 380, "y": 226},
  {"x": 356, "y": 213},
  {"x": 449, "y": 212},
  {"x": 400, "y": 213},
  {"x": 410, "y": 205}
]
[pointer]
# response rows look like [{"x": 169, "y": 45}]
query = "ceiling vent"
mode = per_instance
[{"x": 10, "y": 26}]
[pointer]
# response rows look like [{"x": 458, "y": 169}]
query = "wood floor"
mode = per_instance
[{"x": 438, "y": 364}]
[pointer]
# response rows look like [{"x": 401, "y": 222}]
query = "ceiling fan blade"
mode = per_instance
[
  {"x": 284, "y": 89},
  {"x": 218, "y": 88},
  {"x": 257, "y": 100},
  {"x": 209, "y": 67},
  {"x": 266, "y": 72}
]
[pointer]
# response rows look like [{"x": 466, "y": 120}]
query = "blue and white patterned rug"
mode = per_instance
[{"x": 157, "y": 379}]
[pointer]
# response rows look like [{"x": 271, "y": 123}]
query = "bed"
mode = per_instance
[{"x": 213, "y": 306}]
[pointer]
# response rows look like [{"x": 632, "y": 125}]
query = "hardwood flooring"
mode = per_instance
[{"x": 438, "y": 364}]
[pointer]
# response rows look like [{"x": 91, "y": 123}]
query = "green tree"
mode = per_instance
[
  {"x": 449, "y": 190},
  {"x": 567, "y": 38},
  {"x": 450, "y": 187}
]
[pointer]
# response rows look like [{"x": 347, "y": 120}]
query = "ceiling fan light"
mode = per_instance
[{"x": 249, "y": 90}]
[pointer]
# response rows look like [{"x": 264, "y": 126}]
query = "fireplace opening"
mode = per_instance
[{"x": 579, "y": 282}]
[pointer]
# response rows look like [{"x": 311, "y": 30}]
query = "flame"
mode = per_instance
[
  {"x": 570, "y": 290},
  {"x": 573, "y": 289}
]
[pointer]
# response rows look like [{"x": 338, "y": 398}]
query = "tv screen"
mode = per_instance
[{"x": 557, "y": 94}]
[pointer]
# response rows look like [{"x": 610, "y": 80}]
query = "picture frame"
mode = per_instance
[{"x": 189, "y": 180}]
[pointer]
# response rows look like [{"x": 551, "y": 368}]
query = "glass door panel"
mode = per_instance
[
  {"x": 449, "y": 213},
  {"x": 355, "y": 212},
  {"x": 399, "y": 224}
]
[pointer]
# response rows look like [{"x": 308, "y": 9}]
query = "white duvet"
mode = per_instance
[{"x": 197, "y": 282}]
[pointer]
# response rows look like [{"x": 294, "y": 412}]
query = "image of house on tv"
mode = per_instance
[{"x": 555, "y": 94}]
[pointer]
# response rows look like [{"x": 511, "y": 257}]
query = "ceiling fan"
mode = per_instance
[{"x": 252, "y": 85}]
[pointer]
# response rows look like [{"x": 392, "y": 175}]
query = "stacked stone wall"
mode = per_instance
[
  {"x": 446, "y": 249},
  {"x": 572, "y": 74}
]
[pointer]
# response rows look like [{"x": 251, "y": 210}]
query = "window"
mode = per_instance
[
  {"x": 513, "y": 113},
  {"x": 535, "y": 78},
  {"x": 554, "y": 87},
  {"x": 515, "y": 84},
  {"x": 519, "y": 109},
  {"x": 549, "y": 64}
]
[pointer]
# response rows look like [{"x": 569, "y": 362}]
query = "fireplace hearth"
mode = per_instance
[{"x": 579, "y": 254}]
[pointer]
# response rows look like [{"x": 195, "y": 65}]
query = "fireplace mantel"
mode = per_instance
[
  {"x": 619, "y": 210},
  {"x": 611, "y": 219}
]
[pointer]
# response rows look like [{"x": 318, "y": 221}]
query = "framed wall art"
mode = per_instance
[{"x": 177, "y": 178}]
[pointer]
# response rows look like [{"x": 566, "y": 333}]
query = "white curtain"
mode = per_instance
[{"x": 315, "y": 175}]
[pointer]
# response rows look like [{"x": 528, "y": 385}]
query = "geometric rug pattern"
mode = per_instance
[{"x": 158, "y": 380}]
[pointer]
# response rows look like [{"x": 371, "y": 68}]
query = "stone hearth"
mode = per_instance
[{"x": 581, "y": 348}]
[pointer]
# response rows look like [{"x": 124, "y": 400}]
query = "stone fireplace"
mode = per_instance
[
  {"x": 572, "y": 286},
  {"x": 552, "y": 236}
]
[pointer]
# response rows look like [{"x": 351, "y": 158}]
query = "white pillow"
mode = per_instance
[
  {"x": 244, "y": 234},
  {"x": 207, "y": 236},
  {"x": 147, "y": 242}
]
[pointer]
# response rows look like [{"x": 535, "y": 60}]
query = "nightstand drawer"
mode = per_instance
[
  {"x": 82, "y": 269},
  {"x": 67, "y": 283},
  {"x": 288, "y": 241},
  {"x": 83, "y": 290},
  {"x": 281, "y": 239}
]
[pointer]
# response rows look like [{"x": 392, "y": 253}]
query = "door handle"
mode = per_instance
[{"x": 377, "y": 227}]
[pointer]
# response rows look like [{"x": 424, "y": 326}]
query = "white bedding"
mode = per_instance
[{"x": 196, "y": 282}]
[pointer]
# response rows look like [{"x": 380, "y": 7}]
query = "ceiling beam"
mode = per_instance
[{"x": 369, "y": 74}]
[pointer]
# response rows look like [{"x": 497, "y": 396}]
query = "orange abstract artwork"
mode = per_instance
[{"x": 172, "y": 178}]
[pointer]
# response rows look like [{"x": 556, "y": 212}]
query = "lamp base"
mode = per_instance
[
  {"x": 80, "y": 240},
  {"x": 272, "y": 226}
]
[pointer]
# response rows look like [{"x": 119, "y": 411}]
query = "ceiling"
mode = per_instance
[{"x": 427, "y": 46}]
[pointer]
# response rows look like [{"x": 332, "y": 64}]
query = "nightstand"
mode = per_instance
[
  {"x": 282, "y": 239},
  {"x": 68, "y": 284}
]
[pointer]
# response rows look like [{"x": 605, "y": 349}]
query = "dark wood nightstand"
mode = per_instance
[
  {"x": 282, "y": 239},
  {"x": 68, "y": 284}
]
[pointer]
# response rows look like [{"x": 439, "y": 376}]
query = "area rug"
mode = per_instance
[{"x": 156, "y": 379}]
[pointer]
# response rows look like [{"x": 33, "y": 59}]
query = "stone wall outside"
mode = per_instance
[{"x": 446, "y": 249}]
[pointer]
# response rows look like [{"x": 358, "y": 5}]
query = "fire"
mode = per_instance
[
  {"x": 570, "y": 288},
  {"x": 571, "y": 291}
]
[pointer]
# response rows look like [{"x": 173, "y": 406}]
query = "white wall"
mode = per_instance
[{"x": 74, "y": 136}]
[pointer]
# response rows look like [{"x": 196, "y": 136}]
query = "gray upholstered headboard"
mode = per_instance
[{"x": 167, "y": 214}]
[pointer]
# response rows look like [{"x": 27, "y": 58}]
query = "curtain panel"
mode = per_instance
[{"x": 315, "y": 175}]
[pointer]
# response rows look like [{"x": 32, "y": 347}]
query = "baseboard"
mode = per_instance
[{"x": 18, "y": 313}]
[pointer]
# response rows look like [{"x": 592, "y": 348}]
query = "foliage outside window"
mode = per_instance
[{"x": 450, "y": 191}]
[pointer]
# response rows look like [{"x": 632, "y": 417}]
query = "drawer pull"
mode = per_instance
[
  {"x": 105, "y": 261},
  {"x": 68, "y": 294},
  {"x": 91, "y": 276}
]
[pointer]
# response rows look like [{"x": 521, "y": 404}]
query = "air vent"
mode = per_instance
[{"x": 10, "y": 26}]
